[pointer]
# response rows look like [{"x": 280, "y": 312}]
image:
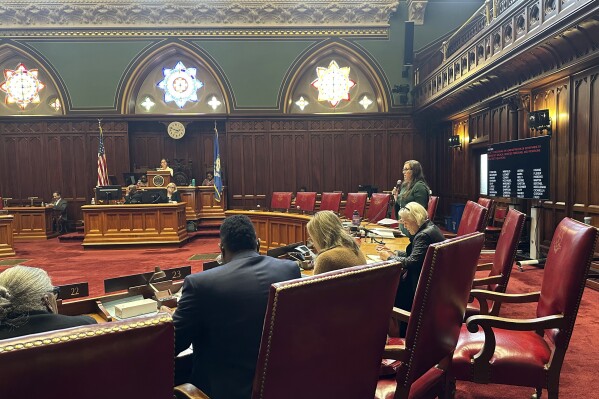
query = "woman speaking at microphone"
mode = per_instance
[{"x": 413, "y": 189}]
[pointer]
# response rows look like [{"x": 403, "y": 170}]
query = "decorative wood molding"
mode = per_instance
[{"x": 214, "y": 17}]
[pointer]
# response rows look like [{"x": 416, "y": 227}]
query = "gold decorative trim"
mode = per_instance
[
  {"x": 107, "y": 328},
  {"x": 236, "y": 14},
  {"x": 266, "y": 33}
]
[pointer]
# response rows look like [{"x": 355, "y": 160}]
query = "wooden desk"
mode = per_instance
[
  {"x": 276, "y": 229},
  {"x": 134, "y": 224},
  {"x": 32, "y": 222},
  {"x": 199, "y": 202},
  {"x": 6, "y": 236}
]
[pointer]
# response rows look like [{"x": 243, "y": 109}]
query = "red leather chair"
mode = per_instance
[
  {"x": 135, "y": 357},
  {"x": 433, "y": 202},
  {"x": 330, "y": 202},
  {"x": 355, "y": 202},
  {"x": 531, "y": 352},
  {"x": 494, "y": 228},
  {"x": 280, "y": 200},
  {"x": 473, "y": 219},
  {"x": 503, "y": 261},
  {"x": 435, "y": 321},
  {"x": 487, "y": 203},
  {"x": 379, "y": 204},
  {"x": 305, "y": 201},
  {"x": 324, "y": 335}
]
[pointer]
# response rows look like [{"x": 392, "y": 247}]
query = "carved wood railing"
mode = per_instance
[{"x": 495, "y": 30}]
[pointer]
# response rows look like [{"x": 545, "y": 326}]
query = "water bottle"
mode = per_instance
[
  {"x": 93, "y": 201},
  {"x": 193, "y": 182},
  {"x": 355, "y": 219}
]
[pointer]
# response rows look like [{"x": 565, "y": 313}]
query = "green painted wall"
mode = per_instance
[
  {"x": 255, "y": 68},
  {"x": 91, "y": 70}
]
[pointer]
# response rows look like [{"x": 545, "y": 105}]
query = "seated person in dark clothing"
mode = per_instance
[
  {"x": 28, "y": 304},
  {"x": 172, "y": 194},
  {"x": 133, "y": 195},
  {"x": 423, "y": 233},
  {"x": 222, "y": 312}
]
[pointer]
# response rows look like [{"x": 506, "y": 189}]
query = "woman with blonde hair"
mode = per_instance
[
  {"x": 336, "y": 248},
  {"x": 423, "y": 233},
  {"x": 172, "y": 194}
]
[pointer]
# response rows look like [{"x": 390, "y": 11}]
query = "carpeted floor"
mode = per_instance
[{"x": 67, "y": 262}]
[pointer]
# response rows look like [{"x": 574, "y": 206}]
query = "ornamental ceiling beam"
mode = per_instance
[
  {"x": 193, "y": 14},
  {"x": 416, "y": 11}
]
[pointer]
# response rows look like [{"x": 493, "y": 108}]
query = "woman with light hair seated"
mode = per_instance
[
  {"x": 423, "y": 233},
  {"x": 336, "y": 248},
  {"x": 28, "y": 304}
]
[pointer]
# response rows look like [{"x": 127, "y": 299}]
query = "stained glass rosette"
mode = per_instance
[
  {"x": 333, "y": 83},
  {"x": 180, "y": 85},
  {"x": 21, "y": 86}
]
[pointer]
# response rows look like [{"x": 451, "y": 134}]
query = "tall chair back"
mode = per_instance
[
  {"x": 305, "y": 201},
  {"x": 330, "y": 202},
  {"x": 436, "y": 317},
  {"x": 71, "y": 363},
  {"x": 355, "y": 202},
  {"x": 473, "y": 219},
  {"x": 379, "y": 205},
  {"x": 431, "y": 210},
  {"x": 280, "y": 200},
  {"x": 503, "y": 261},
  {"x": 516, "y": 352},
  {"x": 330, "y": 329}
]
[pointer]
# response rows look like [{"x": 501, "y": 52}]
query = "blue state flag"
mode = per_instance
[{"x": 218, "y": 180}]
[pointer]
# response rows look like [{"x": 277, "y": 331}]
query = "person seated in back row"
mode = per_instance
[
  {"x": 28, "y": 304},
  {"x": 143, "y": 181},
  {"x": 222, "y": 312}
]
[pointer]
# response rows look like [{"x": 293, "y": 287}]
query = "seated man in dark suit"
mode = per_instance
[
  {"x": 60, "y": 212},
  {"x": 28, "y": 304},
  {"x": 133, "y": 195},
  {"x": 222, "y": 311}
]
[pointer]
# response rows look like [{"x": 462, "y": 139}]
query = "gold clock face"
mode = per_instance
[{"x": 176, "y": 130}]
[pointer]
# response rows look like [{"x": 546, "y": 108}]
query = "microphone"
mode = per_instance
[{"x": 398, "y": 185}]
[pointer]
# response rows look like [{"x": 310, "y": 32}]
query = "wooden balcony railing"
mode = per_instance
[{"x": 494, "y": 31}]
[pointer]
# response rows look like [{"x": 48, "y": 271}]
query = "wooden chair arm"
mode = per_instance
[
  {"x": 400, "y": 315},
  {"x": 395, "y": 352},
  {"x": 482, "y": 295},
  {"x": 487, "y": 323},
  {"x": 189, "y": 391},
  {"x": 486, "y": 280},
  {"x": 449, "y": 235},
  {"x": 483, "y": 266}
]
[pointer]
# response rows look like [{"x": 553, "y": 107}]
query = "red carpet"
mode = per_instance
[{"x": 67, "y": 262}]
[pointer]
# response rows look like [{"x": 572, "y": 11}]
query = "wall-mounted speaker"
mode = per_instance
[{"x": 408, "y": 57}]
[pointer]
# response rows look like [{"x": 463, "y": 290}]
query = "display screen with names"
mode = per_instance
[{"x": 519, "y": 168}]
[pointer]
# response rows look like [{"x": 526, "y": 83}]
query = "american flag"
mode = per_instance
[{"x": 102, "y": 168}]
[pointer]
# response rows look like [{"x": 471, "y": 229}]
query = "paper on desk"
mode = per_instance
[
  {"x": 387, "y": 222},
  {"x": 373, "y": 259},
  {"x": 109, "y": 306},
  {"x": 385, "y": 233}
]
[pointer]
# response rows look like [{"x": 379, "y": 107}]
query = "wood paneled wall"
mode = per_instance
[
  {"x": 39, "y": 157},
  {"x": 574, "y": 182},
  {"x": 258, "y": 156},
  {"x": 320, "y": 154}
]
